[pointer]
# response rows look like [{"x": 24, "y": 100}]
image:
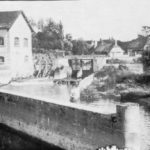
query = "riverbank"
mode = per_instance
[{"x": 119, "y": 84}]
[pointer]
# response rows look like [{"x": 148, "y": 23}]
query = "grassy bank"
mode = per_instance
[{"x": 117, "y": 83}]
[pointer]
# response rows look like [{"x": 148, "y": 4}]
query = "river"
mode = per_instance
[
  {"x": 137, "y": 117},
  {"x": 137, "y": 122}
]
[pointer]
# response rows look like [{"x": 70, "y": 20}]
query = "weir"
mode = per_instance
[{"x": 67, "y": 126}]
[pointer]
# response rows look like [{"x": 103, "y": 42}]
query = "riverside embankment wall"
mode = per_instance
[{"x": 67, "y": 127}]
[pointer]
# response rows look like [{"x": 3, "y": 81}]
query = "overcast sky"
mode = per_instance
[{"x": 90, "y": 19}]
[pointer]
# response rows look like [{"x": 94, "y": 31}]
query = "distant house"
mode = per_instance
[
  {"x": 104, "y": 47},
  {"x": 114, "y": 48},
  {"x": 91, "y": 46},
  {"x": 116, "y": 51},
  {"x": 15, "y": 45},
  {"x": 133, "y": 47},
  {"x": 109, "y": 48}
]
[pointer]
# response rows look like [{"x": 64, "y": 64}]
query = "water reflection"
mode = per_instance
[
  {"x": 137, "y": 123},
  {"x": 132, "y": 127},
  {"x": 137, "y": 127},
  {"x": 145, "y": 128}
]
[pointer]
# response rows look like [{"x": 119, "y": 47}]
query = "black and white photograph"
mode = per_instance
[{"x": 75, "y": 75}]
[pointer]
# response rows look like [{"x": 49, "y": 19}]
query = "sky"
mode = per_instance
[{"x": 90, "y": 19}]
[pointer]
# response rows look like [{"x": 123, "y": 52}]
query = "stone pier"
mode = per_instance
[{"x": 68, "y": 127}]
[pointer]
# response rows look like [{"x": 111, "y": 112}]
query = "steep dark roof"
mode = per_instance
[
  {"x": 7, "y": 18},
  {"x": 135, "y": 44},
  {"x": 104, "y": 46}
]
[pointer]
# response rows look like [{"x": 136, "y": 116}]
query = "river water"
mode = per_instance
[
  {"x": 137, "y": 123},
  {"x": 137, "y": 117}
]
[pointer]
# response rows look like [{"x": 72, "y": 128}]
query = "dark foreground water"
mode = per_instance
[{"x": 11, "y": 139}]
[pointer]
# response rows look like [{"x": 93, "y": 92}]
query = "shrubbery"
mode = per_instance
[{"x": 111, "y": 81}]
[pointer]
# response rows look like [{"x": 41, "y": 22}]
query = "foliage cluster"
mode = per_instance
[{"x": 50, "y": 36}]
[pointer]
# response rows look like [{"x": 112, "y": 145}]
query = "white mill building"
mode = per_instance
[{"x": 15, "y": 46}]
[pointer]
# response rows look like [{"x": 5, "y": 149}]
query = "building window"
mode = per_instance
[
  {"x": 16, "y": 41},
  {"x": 25, "y": 42},
  {"x": 26, "y": 58},
  {"x": 1, "y": 41},
  {"x": 1, "y": 60}
]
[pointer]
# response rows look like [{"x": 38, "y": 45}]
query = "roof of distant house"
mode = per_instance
[
  {"x": 135, "y": 44},
  {"x": 7, "y": 19},
  {"x": 104, "y": 46}
]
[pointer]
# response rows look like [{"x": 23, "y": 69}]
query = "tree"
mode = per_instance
[
  {"x": 32, "y": 22},
  {"x": 68, "y": 37},
  {"x": 40, "y": 25},
  {"x": 145, "y": 30},
  {"x": 68, "y": 43},
  {"x": 80, "y": 47},
  {"x": 49, "y": 36}
]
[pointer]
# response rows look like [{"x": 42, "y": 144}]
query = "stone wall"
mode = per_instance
[{"x": 67, "y": 127}]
